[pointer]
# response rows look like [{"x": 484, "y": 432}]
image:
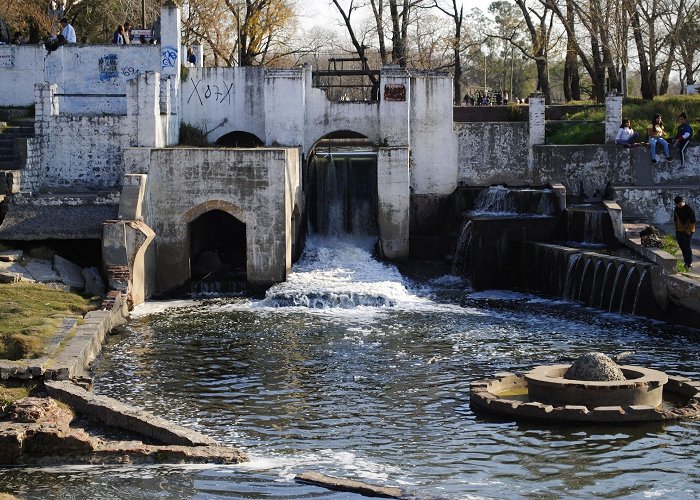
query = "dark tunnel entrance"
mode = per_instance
[{"x": 217, "y": 253}]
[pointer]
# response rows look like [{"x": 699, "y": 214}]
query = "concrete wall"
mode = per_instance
[
  {"x": 585, "y": 170},
  {"x": 259, "y": 187},
  {"x": 492, "y": 153},
  {"x": 21, "y": 66},
  {"x": 433, "y": 141},
  {"x": 78, "y": 151}
]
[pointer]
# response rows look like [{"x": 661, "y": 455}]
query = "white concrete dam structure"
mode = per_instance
[{"x": 106, "y": 115}]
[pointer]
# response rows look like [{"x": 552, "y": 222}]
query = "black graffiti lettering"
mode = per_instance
[
  {"x": 227, "y": 95},
  {"x": 195, "y": 90},
  {"x": 207, "y": 93},
  {"x": 216, "y": 93}
]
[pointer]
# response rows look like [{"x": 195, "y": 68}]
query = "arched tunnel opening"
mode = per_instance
[
  {"x": 239, "y": 139},
  {"x": 342, "y": 186},
  {"x": 217, "y": 252}
]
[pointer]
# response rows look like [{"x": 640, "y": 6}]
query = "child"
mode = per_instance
[
  {"x": 626, "y": 135},
  {"x": 683, "y": 136}
]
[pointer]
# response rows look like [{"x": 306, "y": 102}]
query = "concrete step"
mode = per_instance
[
  {"x": 653, "y": 204},
  {"x": 12, "y": 164},
  {"x": 12, "y": 113}
]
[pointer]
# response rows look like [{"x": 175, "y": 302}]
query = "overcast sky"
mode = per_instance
[{"x": 324, "y": 13}]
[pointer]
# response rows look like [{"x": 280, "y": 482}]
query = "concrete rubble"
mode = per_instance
[{"x": 40, "y": 431}]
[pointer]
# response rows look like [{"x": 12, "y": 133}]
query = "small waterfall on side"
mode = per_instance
[
  {"x": 487, "y": 248},
  {"x": 613, "y": 284}
]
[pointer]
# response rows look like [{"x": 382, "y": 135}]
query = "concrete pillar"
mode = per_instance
[
  {"x": 394, "y": 106},
  {"x": 536, "y": 125},
  {"x": 284, "y": 92},
  {"x": 198, "y": 49},
  {"x": 613, "y": 115},
  {"x": 143, "y": 108},
  {"x": 394, "y": 198},
  {"x": 46, "y": 106},
  {"x": 170, "y": 39}
]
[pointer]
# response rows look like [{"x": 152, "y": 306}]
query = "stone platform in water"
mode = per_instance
[
  {"x": 594, "y": 366},
  {"x": 495, "y": 396}
]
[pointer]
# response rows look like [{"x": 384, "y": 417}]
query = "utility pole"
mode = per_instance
[
  {"x": 238, "y": 31},
  {"x": 143, "y": 14}
]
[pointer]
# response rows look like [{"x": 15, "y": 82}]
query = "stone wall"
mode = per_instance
[
  {"x": 78, "y": 151},
  {"x": 492, "y": 153},
  {"x": 585, "y": 170},
  {"x": 259, "y": 187}
]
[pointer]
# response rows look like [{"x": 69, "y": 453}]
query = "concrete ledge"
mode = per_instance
[
  {"x": 116, "y": 414},
  {"x": 664, "y": 260},
  {"x": 87, "y": 342}
]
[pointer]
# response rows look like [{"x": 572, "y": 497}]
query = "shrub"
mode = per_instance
[{"x": 191, "y": 135}]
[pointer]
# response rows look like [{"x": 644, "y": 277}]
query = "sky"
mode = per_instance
[{"x": 324, "y": 13}]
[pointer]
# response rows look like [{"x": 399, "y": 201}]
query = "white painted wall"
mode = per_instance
[
  {"x": 433, "y": 141},
  {"x": 21, "y": 66}
]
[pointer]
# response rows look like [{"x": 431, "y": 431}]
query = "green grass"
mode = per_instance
[
  {"x": 30, "y": 315},
  {"x": 671, "y": 246},
  {"x": 639, "y": 112},
  {"x": 12, "y": 390}
]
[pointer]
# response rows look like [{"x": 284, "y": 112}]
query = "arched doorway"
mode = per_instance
[
  {"x": 239, "y": 139},
  {"x": 217, "y": 252},
  {"x": 342, "y": 185}
]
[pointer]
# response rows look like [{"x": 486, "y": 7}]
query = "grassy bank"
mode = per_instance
[
  {"x": 586, "y": 126},
  {"x": 30, "y": 315}
]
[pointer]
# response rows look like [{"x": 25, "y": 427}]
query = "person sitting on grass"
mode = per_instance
[
  {"x": 626, "y": 135},
  {"x": 683, "y": 136},
  {"x": 656, "y": 135}
]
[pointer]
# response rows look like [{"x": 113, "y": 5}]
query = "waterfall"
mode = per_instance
[
  {"x": 638, "y": 291},
  {"x": 614, "y": 287},
  {"x": 462, "y": 257},
  {"x": 568, "y": 282},
  {"x": 583, "y": 278},
  {"x": 624, "y": 288},
  {"x": 495, "y": 200},
  {"x": 339, "y": 273},
  {"x": 343, "y": 194},
  {"x": 595, "y": 281},
  {"x": 605, "y": 280}
]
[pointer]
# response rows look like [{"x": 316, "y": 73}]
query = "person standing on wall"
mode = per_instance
[
  {"x": 127, "y": 33},
  {"x": 656, "y": 134},
  {"x": 684, "y": 220},
  {"x": 68, "y": 32},
  {"x": 118, "y": 37},
  {"x": 683, "y": 136}
]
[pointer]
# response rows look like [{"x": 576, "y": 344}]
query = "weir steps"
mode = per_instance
[{"x": 653, "y": 203}]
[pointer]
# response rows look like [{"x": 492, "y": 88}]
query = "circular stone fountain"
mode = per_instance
[{"x": 593, "y": 389}]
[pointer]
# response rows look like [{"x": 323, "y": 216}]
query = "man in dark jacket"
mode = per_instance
[{"x": 684, "y": 219}]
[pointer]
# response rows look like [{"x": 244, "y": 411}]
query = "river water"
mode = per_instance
[{"x": 353, "y": 370}]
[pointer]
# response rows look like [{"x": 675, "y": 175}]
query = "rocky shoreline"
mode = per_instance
[{"x": 70, "y": 425}]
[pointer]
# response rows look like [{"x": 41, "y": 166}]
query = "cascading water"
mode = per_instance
[
  {"x": 486, "y": 250},
  {"x": 339, "y": 272}
]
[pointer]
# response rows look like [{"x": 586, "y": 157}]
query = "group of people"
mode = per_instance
[
  {"x": 487, "y": 99},
  {"x": 656, "y": 135}
]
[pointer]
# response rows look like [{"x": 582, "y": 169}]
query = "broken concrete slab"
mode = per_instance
[
  {"x": 94, "y": 284},
  {"x": 71, "y": 274},
  {"x": 116, "y": 414},
  {"x": 6, "y": 277},
  {"x": 14, "y": 267},
  {"x": 11, "y": 255},
  {"x": 42, "y": 271}
]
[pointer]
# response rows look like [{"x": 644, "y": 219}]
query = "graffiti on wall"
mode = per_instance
[
  {"x": 168, "y": 57},
  {"x": 108, "y": 67},
  {"x": 210, "y": 92}
]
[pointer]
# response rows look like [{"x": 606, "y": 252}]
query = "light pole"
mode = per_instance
[
  {"x": 512, "y": 55},
  {"x": 238, "y": 32},
  {"x": 143, "y": 14}
]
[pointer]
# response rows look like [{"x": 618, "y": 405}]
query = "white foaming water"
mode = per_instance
[{"x": 340, "y": 273}]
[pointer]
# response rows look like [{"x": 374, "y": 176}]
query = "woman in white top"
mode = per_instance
[{"x": 626, "y": 135}]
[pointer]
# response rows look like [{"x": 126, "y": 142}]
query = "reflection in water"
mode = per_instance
[{"x": 381, "y": 394}]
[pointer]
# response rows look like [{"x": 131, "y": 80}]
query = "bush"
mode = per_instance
[{"x": 191, "y": 135}]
